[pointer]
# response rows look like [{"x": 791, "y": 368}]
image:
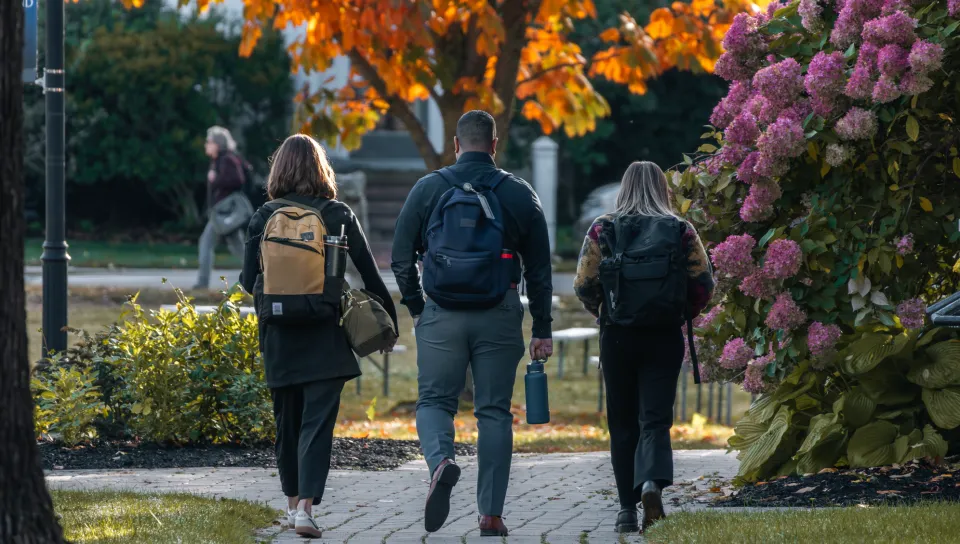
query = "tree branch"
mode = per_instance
[
  {"x": 514, "y": 13},
  {"x": 398, "y": 107},
  {"x": 585, "y": 65}
]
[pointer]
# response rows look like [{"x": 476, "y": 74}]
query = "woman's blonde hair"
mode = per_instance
[
  {"x": 300, "y": 166},
  {"x": 643, "y": 191}
]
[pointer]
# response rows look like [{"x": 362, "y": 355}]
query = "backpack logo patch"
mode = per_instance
[{"x": 277, "y": 308}]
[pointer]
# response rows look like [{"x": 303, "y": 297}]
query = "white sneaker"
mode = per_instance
[
  {"x": 307, "y": 526},
  {"x": 291, "y": 518}
]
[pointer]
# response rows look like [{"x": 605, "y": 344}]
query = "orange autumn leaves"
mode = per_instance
[{"x": 409, "y": 50}]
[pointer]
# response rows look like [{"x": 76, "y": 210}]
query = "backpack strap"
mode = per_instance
[
  {"x": 448, "y": 176},
  {"x": 317, "y": 210},
  {"x": 693, "y": 352},
  {"x": 620, "y": 243}
]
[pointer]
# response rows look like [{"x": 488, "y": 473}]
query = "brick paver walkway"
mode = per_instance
[{"x": 553, "y": 498}]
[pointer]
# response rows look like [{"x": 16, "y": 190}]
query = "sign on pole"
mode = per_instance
[{"x": 29, "y": 41}]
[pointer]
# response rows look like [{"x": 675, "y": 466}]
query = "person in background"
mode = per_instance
[
  {"x": 641, "y": 364},
  {"x": 308, "y": 364},
  {"x": 489, "y": 339},
  {"x": 225, "y": 176}
]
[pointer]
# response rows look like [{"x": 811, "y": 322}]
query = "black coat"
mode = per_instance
[{"x": 305, "y": 353}]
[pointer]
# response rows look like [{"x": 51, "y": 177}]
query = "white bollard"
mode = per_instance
[{"x": 545, "y": 173}]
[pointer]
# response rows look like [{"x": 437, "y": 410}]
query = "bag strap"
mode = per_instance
[
  {"x": 693, "y": 352},
  {"x": 448, "y": 176},
  {"x": 316, "y": 210},
  {"x": 619, "y": 242}
]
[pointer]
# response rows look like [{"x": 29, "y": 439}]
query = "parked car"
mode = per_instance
[{"x": 600, "y": 201}]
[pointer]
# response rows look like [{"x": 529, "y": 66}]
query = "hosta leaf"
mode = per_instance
[
  {"x": 932, "y": 445},
  {"x": 826, "y": 452},
  {"x": 876, "y": 444},
  {"x": 944, "y": 368},
  {"x": 762, "y": 409},
  {"x": 818, "y": 424},
  {"x": 858, "y": 408},
  {"x": 865, "y": 354},
  {"x": 771, "y": 449},
  {"x": 943, "y": 405},
  {"x": 748, "y": 433}
]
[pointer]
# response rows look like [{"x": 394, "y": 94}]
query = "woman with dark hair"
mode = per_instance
[
  {"x": 307, "y": 364},
  {"x": 641, "y": 340}
]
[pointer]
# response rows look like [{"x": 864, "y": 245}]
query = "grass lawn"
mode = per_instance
[
  {"x": 925, "y": 523},
  {"x": 576, "y": 425},
  {"x": 97, "y": 254},
  {"x": 110, "y": 516}
]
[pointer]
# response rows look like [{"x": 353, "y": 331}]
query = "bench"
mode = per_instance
[
  {"x": 383, "y": 367},
  {"x": 576, "y": 334}
]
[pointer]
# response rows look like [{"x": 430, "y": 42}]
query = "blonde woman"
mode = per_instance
[
  {"x": 642, "y": 272},
  {"x": 307, "y": 364}
]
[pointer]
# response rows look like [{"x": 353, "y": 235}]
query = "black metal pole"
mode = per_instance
[{"x": 55, "y": 257}]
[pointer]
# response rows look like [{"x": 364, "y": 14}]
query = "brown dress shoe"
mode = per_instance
[
  {"x": 438, "y": 498},
  {"x": 492, "y": 526}
]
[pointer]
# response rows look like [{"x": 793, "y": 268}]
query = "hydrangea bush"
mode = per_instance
[{"x": 827, "y": 195}]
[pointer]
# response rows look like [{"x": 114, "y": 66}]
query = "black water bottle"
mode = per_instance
[
  {"x": 535, "y": 385},
  {"x": 335, "y": 249}
]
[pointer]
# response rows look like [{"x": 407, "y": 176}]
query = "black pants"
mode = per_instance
[
  {"x": 305, "y": 416},
  {"x": 640, "y": 370}
]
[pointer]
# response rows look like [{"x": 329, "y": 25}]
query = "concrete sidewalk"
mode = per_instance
[
  {"x": 553, "y": 498},
  {"x": 151, "y": 278}
]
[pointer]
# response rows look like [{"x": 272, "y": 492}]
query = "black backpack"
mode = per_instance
[{"x": 645, "y": 280}]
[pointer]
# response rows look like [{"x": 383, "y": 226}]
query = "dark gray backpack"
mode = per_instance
[{"x": 645, "y": 279}]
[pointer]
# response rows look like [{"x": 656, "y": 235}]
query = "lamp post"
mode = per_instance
[{"x": 55, "y": 257}]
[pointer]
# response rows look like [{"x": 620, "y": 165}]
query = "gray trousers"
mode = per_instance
[
  {"x": 491, "y": 341},
  {"x": 208, "y": 247}
]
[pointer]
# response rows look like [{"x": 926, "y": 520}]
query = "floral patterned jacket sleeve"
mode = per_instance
[{"x": 596, "y": 247}]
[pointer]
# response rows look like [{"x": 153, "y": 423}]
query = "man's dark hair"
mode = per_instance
[{"x": 476, "y": 130}]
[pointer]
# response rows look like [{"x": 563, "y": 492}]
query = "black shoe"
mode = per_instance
[
  {"x": 438, "y": 498},
  {"x": 652, "y": 505},
  {"x": 627, "y": 521}
]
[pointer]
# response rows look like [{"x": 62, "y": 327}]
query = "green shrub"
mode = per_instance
[
  {"x": 179, "y": 376},
  {"x": 68, "y": 403}
]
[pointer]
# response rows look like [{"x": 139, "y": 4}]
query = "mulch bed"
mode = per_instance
[
  {"x": 348, "y": 453},
  {"x": 914, "y": 482}
]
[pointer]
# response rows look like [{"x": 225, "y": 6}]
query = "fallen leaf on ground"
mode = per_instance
[
  {"x": 898, "y": 476},
  {"x": 827, "y": 470},
  {"x": 715, "y": 489},
  {"x": 888, "y": 492},
  {"x": 805, "y": 490}
]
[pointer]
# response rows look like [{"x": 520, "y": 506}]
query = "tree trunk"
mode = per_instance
[{"x": 26, "y": 510}]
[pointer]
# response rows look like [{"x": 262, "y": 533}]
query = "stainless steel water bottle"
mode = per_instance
[
  {"x": 538, "y": 403},
  {"x": 335, "y": 255}
]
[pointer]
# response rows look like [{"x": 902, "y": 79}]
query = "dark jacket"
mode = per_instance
[
  {"x": 230, "y": 177},
  {"x": 525, "y": 232},
  {"x": 300, "y": 354}
]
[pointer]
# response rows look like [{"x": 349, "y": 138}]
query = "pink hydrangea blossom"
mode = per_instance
[
  {"x": 783, "y": 259},
  {"x": 810, "y": 11},
  {"x": 857, "y": 124},
  {"x": 708, "y": 371},
  {"x": 911, "y": 313},
  {"x": 780, "y": 83},
  {"x": 743, "y": 130},
  {"x": 708, "y": 318},
  {"x": 785, "y": 314},
  {"x": 892, "y": 60},
  {"x": 896, "y": 28},
  {"x": 885, "y": 90},
  {"x": 734, "y": 256},
  {"x": 730, "y": 106},
  {"x": 733, "y": 154},
  {"x": 822, "y": 339},
  {"x": 745, "y": 172},
  {"x": 913, "y": 83},
  {"x": 905, "y": 245},
  {"x": 853, "y": 14},
  {"x": 784, "y": 138},
  {"x": 925, "y": 57},
  {"x": 825, "y": 80},
  {"x": 743, "y": 37},
  {"x": 953, "y": 8},
  {"x": 758, "y": 285},
  {"x": 753, "y": 376},
  {"x": 837, "y": 154},
  {"x": 860, "y": 84},
  {"x": 734, "y": 68},
  {"x": 758, "y": 205},
  {"x": 736, "y": 354}
]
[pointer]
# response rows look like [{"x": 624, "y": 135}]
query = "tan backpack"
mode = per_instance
[{"x": 292, "y": 259}]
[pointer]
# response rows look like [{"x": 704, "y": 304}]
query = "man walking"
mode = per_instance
[{"x": 471, "y": 224}]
